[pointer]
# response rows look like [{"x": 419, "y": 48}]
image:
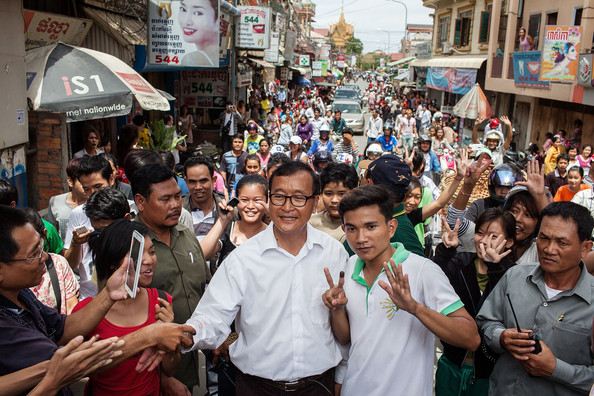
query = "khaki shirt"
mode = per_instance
[{"x": 182, "y": 272}]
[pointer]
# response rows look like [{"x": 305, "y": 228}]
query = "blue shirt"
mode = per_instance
[{"x": 387, "y": 145}]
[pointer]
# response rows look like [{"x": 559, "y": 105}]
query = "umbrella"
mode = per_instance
[
  {"x": 473, "y": 104},
  {"x": 85, "y": 84}
]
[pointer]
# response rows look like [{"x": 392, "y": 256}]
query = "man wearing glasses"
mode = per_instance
[{"x": 271, "y": 286}]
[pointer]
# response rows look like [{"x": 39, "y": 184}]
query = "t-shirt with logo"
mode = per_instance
[
  {"x": 391, "y": 350},
  {"x": 252, "y": 144}
]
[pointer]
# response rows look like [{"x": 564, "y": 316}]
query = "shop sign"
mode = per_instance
[
  {"x": 316, "y": 67},
  {"x": 271, "y": 54},
  {"x": 449, "y": 79},
  {"x": 205, "y": 88},
  {"x": 560, "y": 54},
  {"x": 304, "y": 60},
  {"x": 244, "y": 78},
  {"x": 585, "y": 71},
  {"x": 527, "y": 70},
  {"x": 179, "y": 38},
  {"x": 325, "y": 52},
  {"x": 253, "y": 30},
  {"x": 43, "y": 28}
]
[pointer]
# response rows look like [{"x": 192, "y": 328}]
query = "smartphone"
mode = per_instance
[
  {"x": 81, "y": 230},
  {"x": 233, "y": 202},
  {"x": 134, "y": 259}
]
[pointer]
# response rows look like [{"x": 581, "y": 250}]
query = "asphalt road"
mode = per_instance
[{"x": 361, "y": 140}]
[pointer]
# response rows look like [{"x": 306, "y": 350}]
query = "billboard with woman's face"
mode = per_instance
[{"x": 184, "y": 33}]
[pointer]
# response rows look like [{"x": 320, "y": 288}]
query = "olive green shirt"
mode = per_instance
[{"x": 182, "y": 272}]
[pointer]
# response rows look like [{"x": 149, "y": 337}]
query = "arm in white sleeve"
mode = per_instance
[{"x": 218, "y": 306}]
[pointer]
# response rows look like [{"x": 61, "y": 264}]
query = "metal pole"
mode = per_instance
[{"x": 405, "y": 22}]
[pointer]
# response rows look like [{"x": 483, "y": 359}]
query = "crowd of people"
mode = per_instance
[{"x": 302, "y": 263}]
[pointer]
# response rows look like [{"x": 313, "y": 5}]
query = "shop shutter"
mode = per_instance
[{"x": 458, "y": 32}]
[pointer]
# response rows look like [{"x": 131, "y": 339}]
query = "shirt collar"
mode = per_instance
[
  {"x": 174, "y": 231},
  {"x": 582, "y": 288},
  {"x": 269, "y": 240},
  {"x": 400, "y": 254}
]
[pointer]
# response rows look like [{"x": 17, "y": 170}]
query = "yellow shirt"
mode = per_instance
[{"x": 550, "y": 161}]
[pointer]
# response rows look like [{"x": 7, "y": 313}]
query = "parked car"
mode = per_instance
[{"x": 352, "y": 114}]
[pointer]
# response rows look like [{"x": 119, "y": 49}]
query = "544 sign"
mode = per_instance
[{"x": 166, "y": 59}]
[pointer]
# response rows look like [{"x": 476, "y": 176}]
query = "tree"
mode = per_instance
[{"x": 354, "y": 46}]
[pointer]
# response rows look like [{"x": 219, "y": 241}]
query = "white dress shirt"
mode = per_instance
[{"x": 275, "y": 299}]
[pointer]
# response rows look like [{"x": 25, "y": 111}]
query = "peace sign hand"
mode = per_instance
[
  {"x": 493, "y": 251},
  {"x": 449, "y": 237},
  {"x": 398, "y": 288},
  {"x": 335, "y": 297}
]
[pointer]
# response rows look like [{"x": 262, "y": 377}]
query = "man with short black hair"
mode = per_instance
[
  {"x": 205, "y": 204},
  {"x": 554, "y": 304},
  {"x": 233, "y": 161},
  {"x": 271, "y": 286},
  {"x": 391, "y": 330},
  {"x": 94, "y": 174},
  {"x": 105, "y": 206},
  {"x": 558, "y": 177},
  {"x": 393, "y": 173},
  {"x": 182, "y": 270}
]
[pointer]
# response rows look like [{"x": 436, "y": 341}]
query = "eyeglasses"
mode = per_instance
[
  {"x": 36, "y": 257},
  {"x": 297, "y": 201}
]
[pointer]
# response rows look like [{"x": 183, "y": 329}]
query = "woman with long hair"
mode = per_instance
[{"x": 110, "y": 249}]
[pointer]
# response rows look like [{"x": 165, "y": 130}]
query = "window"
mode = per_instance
[
  {"x": 443, "y": 29},
  {"x": 463, "y": 29},
  {"x": 534, "y": 28},
  {"x": 552, "y": 18},
  {"x": 485, "y": 25},
  {"x": 577, "y": 21}
]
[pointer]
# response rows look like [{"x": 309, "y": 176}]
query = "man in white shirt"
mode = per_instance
[
  {"x": 425, "y": 119},
  {"x": 271, "y": 286},
  {"x": 317, "y": 123},
  {"x": 375, "y": 127},
  {"x": 394, "y": 311},
  {"x": 408, "y": 130}
]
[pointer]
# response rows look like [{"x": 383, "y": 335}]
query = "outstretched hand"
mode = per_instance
[
  {"x": 535, "y": 179},
  {"x": 398, "y": 288},
  {"x": 335, "y": 297},
  {"x": 449, "y": 237}
]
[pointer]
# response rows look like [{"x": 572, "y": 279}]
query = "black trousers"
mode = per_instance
[{"x": 319, "y": 385}]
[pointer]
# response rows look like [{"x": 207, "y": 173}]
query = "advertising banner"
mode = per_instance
[
  {"x": 458, "y": 81},
  {"x": 527, "y": 70},
  {"x": 183, "y": 33},
  {"x": 560, "y": 54},
  {"x": 43, "y": 28},
  {"x": 253, "y": 30},
  {"x": 271, "y": 54},
  {"x": 204, "y": 88}
]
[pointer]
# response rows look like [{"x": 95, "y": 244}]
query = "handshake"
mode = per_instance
[{"x": 79, "y": 358}]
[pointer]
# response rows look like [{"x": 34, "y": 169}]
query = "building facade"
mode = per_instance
[{"x": 540, "y": 106}]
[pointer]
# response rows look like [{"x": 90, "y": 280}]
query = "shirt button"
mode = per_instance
[{"x": 545, "y": 304}]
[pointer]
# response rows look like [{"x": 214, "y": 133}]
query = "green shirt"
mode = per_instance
[
  {"x": 182, "y": 272},
  {"x": 53, "y": 243},
  {"x": 405, "y": 233}
]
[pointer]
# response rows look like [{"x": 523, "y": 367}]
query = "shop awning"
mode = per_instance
[
  {"x": 262, "y": 63},
  {"x": 458, "y": 62},
  {"x": 402, "y": 61},
  {"x": 125, "y": 30},
  {"x": 301, "y": 70},
  {"x": 402, "y": 76}
]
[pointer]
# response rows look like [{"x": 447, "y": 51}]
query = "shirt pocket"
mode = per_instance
[
  {"x": 320, "y": 314},
  {"x": 571, "y": 343}
]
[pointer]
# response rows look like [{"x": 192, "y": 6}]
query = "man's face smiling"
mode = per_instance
[
  {"x": 199, "y": 181},
  {"x": 368, "y": 232},
  {"x": 290, "y": 220}
]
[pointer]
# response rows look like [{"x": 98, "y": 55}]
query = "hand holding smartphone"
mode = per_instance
[{"x": 134, "y": 261}]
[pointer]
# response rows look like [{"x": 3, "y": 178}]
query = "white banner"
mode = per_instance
[
  {"x": 253, "y": 30},
  {"x": 204, "y": 88},
  {"x": 271, "y": 54},
  {"x": 183, "y": 33},
  {"x": 43, "y": 28}
]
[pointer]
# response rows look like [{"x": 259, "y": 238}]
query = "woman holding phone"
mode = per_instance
[{"x": 110, "y": 248}]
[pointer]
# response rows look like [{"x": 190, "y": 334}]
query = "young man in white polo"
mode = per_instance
[{"x": 390, "y": 317}]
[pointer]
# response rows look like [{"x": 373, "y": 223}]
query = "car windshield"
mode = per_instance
[
  {"x": 346, "y": 94},
  {"x": 347, "y": 108}
]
